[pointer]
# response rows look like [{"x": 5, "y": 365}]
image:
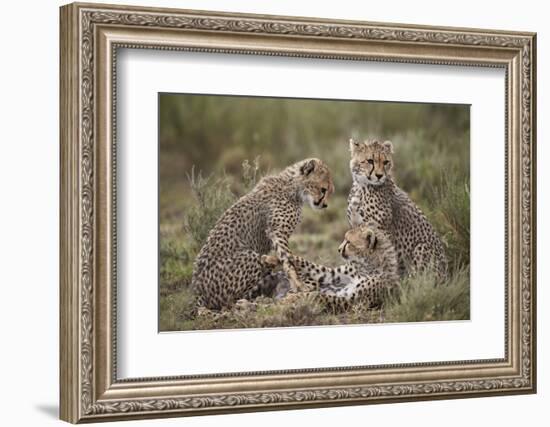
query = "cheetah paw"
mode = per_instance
[
  {"x": 244, "y": 304},
  {"x": 270, "y": 261}
]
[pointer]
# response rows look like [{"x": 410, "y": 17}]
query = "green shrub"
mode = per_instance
[
  {"x": 421, "y": 299},
  {"x": 250, "y": 174},
  {"x": 422, "y": 156},
  {"x": 176, "y": 264},
  {"x": 451, "y": 217},
  {"x": 212, "y": 196},
  {"x": 177, "y": 310}
]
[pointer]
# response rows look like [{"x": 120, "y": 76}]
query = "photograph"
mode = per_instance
[
  {"x": 288, "y": 212},
  {"x": 267, "y": 211}
]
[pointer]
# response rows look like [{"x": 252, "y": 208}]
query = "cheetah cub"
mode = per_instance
[
  {"x": 374, "y": 197},
  {"x": 369, "y": 273},
  {"x": 233, "y": 262}
]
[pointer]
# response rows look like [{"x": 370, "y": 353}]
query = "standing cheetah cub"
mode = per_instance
[
  {"x": 233, "y": 261},
  {"x": 369, "y": 273},
  {"x": 374, "y": 197}
]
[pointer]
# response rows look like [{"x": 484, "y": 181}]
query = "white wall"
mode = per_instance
[{"x": 29, "y": 170}]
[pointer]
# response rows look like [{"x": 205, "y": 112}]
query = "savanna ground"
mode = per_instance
[{"x": 213, "y": 149}]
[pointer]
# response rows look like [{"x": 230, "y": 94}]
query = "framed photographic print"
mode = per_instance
[{"x": 263, "y": 212}]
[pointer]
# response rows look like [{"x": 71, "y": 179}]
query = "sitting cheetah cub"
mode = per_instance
[
  {"x": 369, "y": 272},
  {"x": 374, "y": 197},
  {"x": 233, "y": 261}
]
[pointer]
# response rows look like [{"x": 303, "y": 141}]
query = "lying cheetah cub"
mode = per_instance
[
  {"x": 369, "y": 272},
  {"x": 374, "y": 197},
  {"x": 233, "y": 261}
]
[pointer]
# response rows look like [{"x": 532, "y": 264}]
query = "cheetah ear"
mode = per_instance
[
  {"x": 371, "y": 239},
  {"x": 388, "y": 147},
  {"x": 354, "y": 145},
  {"x": 374, "y": 243},
  {"x": 307, "y": 167}
]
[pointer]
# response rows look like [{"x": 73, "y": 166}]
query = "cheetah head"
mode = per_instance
[
  {"x": 364, "y": 241},
  {"x": 316, "y": 182},
  {"x": 371, "y": 161}
]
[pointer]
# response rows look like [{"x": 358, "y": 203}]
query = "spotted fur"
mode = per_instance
[
  {"x": 374, "y": 197},
  {"x": 232, "y": 263},
  {"x": 369, "y": 273}
]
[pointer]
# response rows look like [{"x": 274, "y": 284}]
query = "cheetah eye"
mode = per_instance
[
  {"x": 370, "y": 162},
  {"x": 323, "y": 190},
  {"x": 386, "y": 162}
]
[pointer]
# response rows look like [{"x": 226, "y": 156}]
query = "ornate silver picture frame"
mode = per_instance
[{"x": 91, "y": 35}]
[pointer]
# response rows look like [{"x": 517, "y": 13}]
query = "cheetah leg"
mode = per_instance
[
  {"x": 355, "y": 217},
  {"x": 306, "y": 297},
  {"x": 335, "y": 304},
  {"x": 283, "y": 253},
  {"x": 321, "y": 276},
  {"x": 296, "y": 285},
  {"x": 424, "y": 259},
  {"x": 366, "y": 291},
  {"x": 234, "y": 277},
  {"x": 246, "y": 275},
  {"x": 271, "y": 280},
  {"x": 312, "y": 275},
  {"x": 332, "y": 303},
  {"x": 270, "y": 262}
]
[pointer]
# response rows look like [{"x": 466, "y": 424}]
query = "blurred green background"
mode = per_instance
[{"x": 214, "y": 148}]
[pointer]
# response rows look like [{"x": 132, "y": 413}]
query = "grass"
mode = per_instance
[
  {"x": 212, "y": 197},
  {"x": 178, "y": 314},
  {"x": 451, "y": 216},
  {"x": 422, "y": 299},
  {"x": 418, "y": 299}
]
